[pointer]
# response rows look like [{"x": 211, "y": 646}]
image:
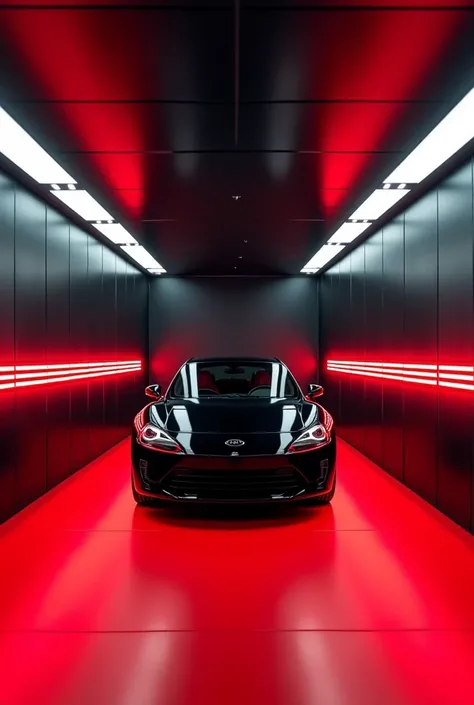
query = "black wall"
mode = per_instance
[
  {"x": 64, "y": 297},
  {"x": 203, "y": 316},
  {"x": 406, "y": 294}
]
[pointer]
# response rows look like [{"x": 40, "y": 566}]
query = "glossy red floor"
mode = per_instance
[{"x": 367, "y": 602}]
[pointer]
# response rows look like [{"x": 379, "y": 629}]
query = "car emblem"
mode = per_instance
[{"x": 234, "y": 442}]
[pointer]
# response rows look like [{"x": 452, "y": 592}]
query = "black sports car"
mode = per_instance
[{"x": 233, "y": 430}]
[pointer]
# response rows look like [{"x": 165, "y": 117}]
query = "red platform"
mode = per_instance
[{"x": 367, "y": 602}]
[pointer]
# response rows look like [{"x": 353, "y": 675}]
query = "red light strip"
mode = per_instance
[
  {"x": 454, "y": 376},
  {"x": 49, "y": 374}
]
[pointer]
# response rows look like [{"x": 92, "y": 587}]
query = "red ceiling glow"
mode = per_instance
[
  {"x": 395, "y": 53},
  {"x": 32, "y": 375},
  {"x": 93, "y": 68},
  {"x": 455, "y": 376}
]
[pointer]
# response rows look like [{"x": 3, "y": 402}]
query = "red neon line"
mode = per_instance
[
  {"x": 456, "y": 386},
  {"x": 50, "y": 374},
  {"x": 385, "y": 376},
  {"x": 35, "y": 382},
  {"x": 410, "y": 366},
  {"x": 80, "y": 370},
  {"x": 444, "y": 375},
  {"x": 458, "y": 368},
  {"x": 388, "y": 371},
  {"x": 68, "y": 366}
]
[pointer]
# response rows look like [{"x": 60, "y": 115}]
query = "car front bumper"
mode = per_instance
[{"x": 227, "y": 479}]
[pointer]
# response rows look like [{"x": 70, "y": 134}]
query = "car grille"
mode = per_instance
[{"x": 233, "y": 485}]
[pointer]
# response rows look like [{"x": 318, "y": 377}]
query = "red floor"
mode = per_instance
[{"x": 367, "y": 602}]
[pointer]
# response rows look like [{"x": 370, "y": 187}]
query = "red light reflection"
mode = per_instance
[{"x": 372, "y": 56}]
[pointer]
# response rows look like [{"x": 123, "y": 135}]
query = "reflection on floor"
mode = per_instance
[{"x": 367, "y": 602}]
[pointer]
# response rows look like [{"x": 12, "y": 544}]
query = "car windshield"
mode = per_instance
[{"x": 236, "y": 378}]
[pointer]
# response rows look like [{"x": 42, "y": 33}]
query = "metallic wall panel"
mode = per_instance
[
  {"x": 233, "y": 316},
  {"x": 393, "y": 255},
  {"x": 420, "y": 344},
  {"x": 455, "y": 341},
  {"x": 373, "y": 399},
  {"x": 7, "y": 341},
  {"x": 415, "y": 304},
  {"x": 57, "y": 343},
  {"x": 65, "y": 298},
  {"x": 30, "y": 345}
]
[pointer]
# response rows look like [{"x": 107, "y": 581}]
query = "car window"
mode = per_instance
[{"x": 236, "y": 379}]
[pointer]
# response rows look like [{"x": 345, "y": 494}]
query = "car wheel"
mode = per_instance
[{"x": 324, "y": 498}]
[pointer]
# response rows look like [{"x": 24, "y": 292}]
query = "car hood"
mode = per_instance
[{"x": 233, "y": 416}]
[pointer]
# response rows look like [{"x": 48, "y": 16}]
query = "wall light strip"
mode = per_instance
[
  {"x": 80, "y": 370},
  {"x": 384, "y": 364},
  {"x": 35, "y": 382},
  {"x": 408, "y": 372},
  {"x": 75, "y": 364},
  {"x": 391, "y": 370},
  {"x": 457, "y": 385},
  {"x": 33, "y": 375},
  {"x": 401, "y": 378},
  {"x": 451, "y": 134}
]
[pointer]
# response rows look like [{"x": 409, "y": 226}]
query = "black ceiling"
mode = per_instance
[{"x": 167, "y": 110}]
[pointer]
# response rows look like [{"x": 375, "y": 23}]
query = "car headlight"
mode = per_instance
[
  {"x": 315, "y": 437},
  {"x": 153, "y": 437}
]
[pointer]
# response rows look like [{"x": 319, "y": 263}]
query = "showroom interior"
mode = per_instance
[{"x": 287, "y": 179}]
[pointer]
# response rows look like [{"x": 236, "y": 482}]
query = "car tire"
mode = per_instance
[{"x": 324, "y": 498}]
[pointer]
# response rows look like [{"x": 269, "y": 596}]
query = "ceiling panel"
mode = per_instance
[
  {"x": 353, "y": 54},
  {"x": 190, "y": 247},
  {"x": 128, "y": 54},
  {"x": 276, "y": 185},
  {"x": 333, "y": 127},
  {"x": 137, "y": 127}
]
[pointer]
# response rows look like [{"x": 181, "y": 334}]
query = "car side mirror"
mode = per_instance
[
  {"x": 154, "y": 391},
  {"x": 315, "y": 390}
]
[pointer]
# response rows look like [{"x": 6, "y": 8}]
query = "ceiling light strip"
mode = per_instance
[
  {"x": 451, "y": 134},
  {"x": 23, "y": 151}
]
